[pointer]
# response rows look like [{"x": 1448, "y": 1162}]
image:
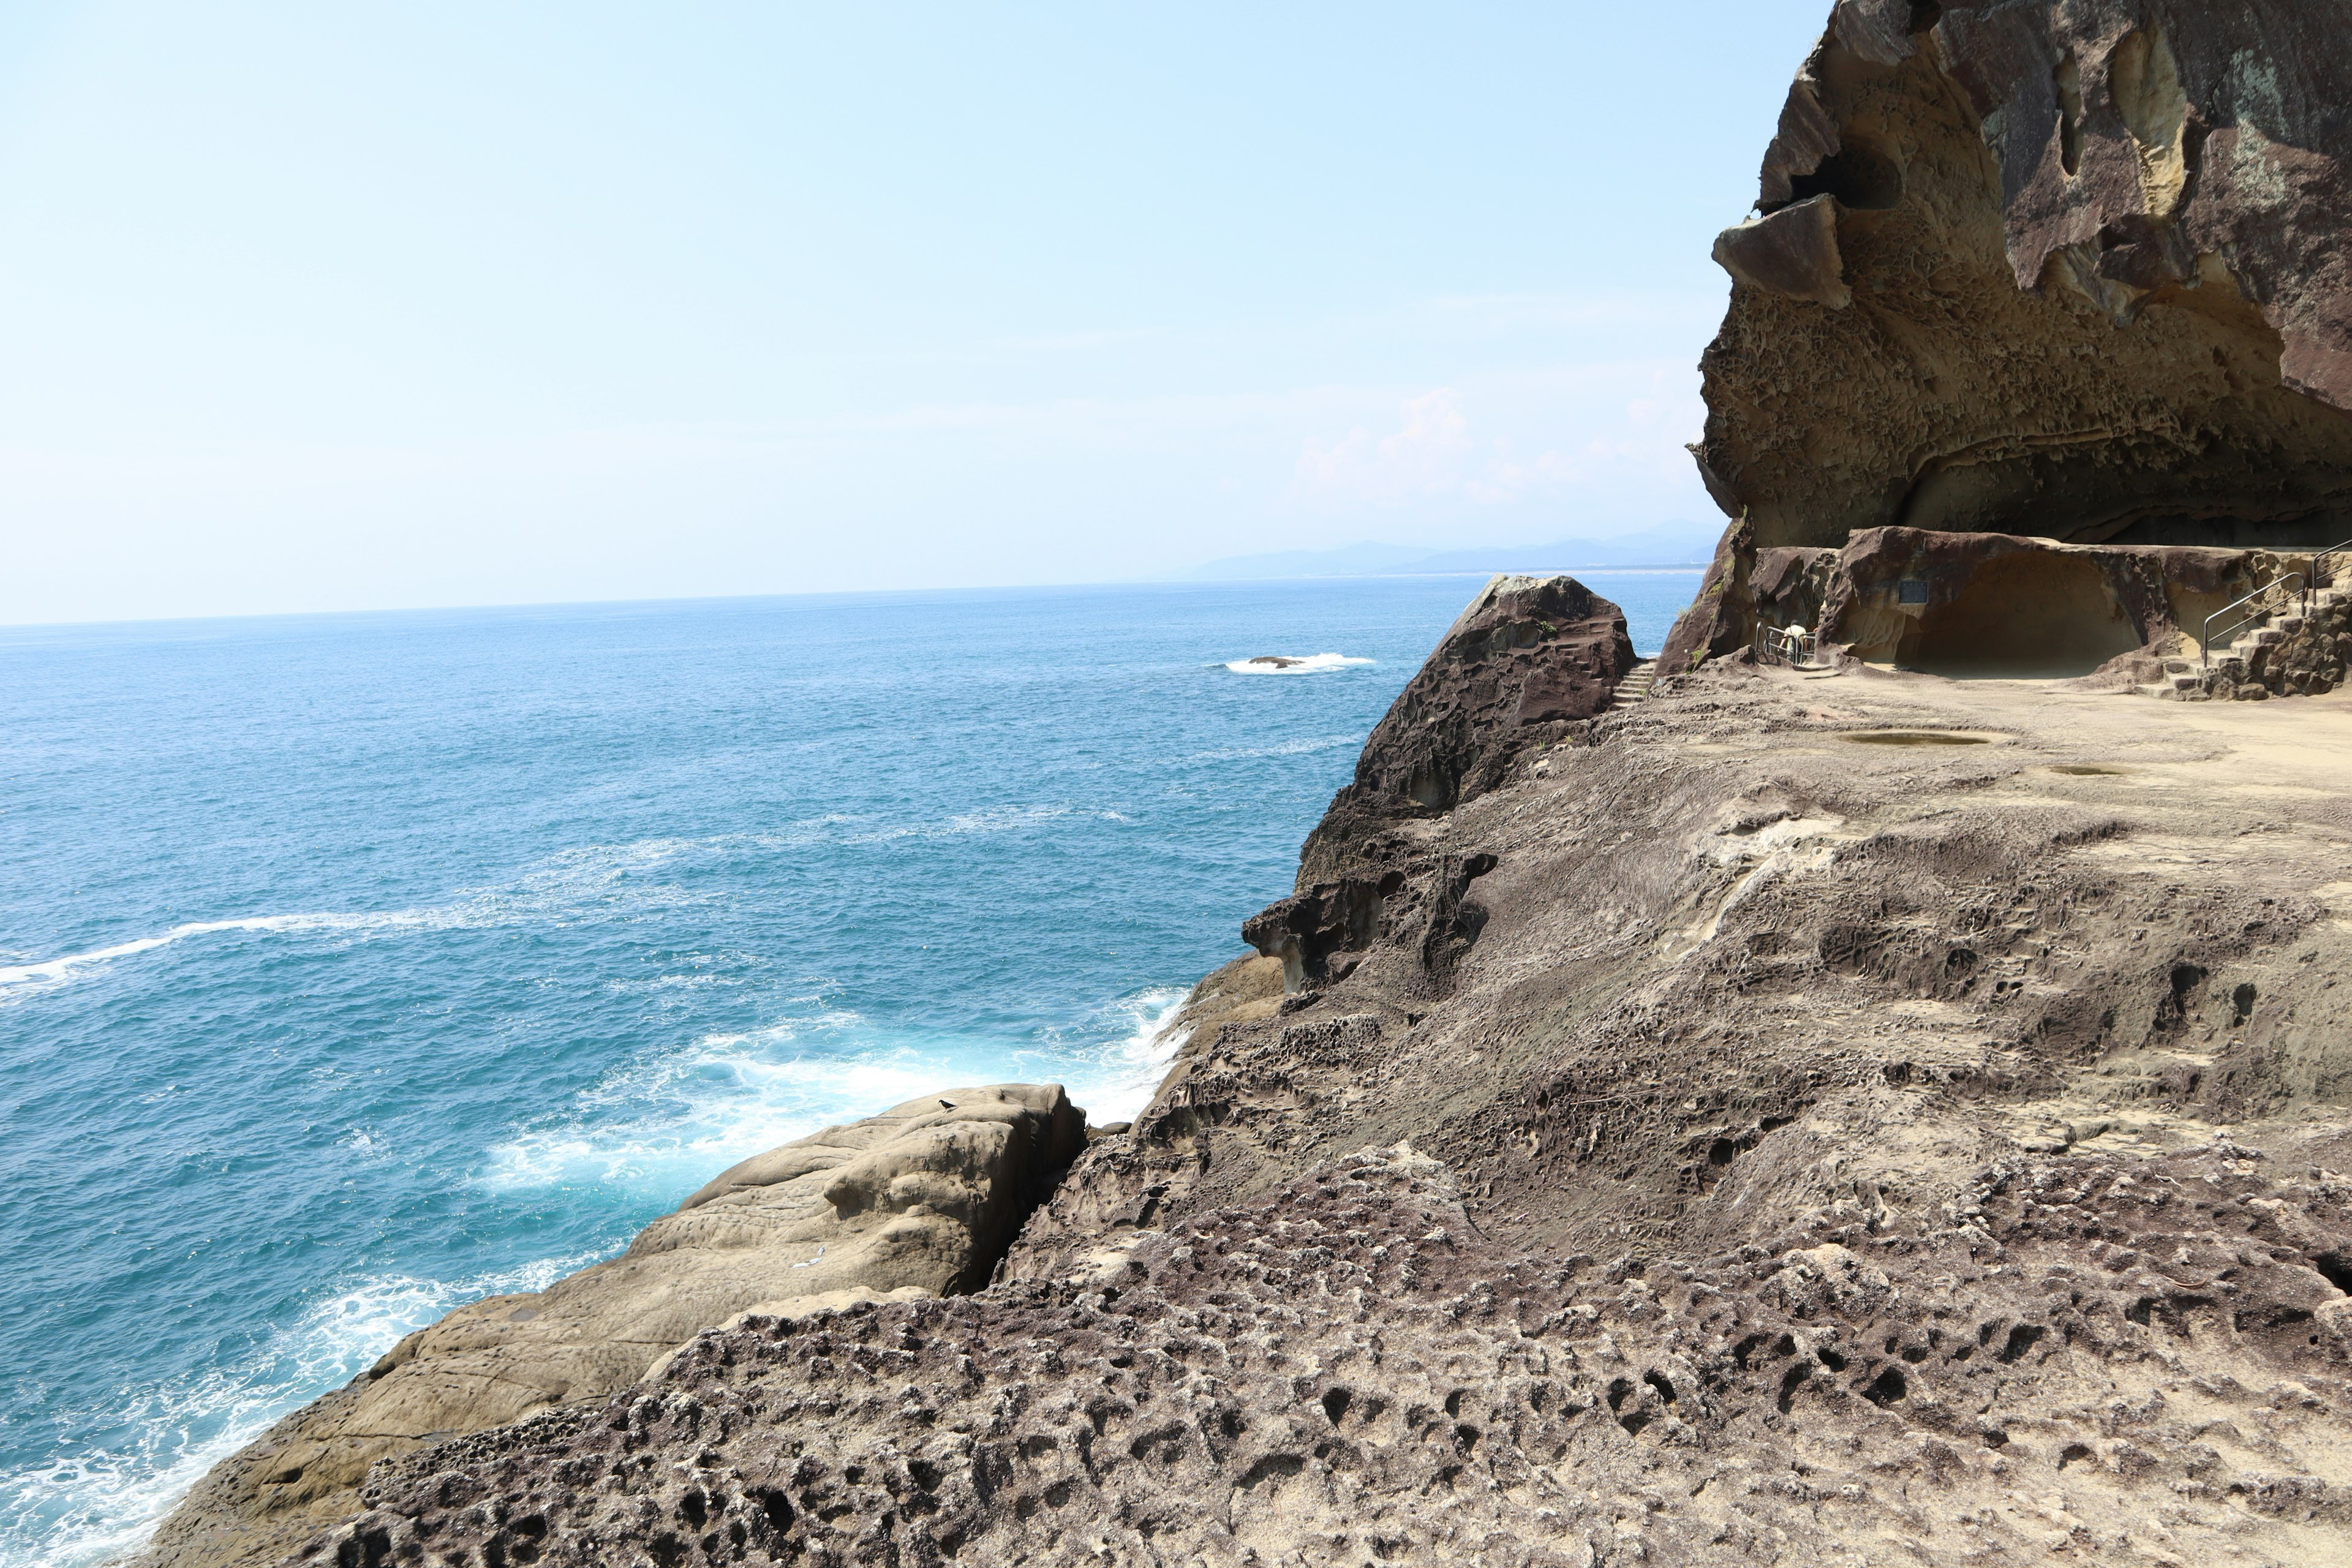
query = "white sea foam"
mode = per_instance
[
  {"x": 14, "y": 977},
  {"x": 596, "y": 874},
  {"x": 1123, "y": 1072},
  {"x": 594, "y": 877},
  {"x": 667, "y": 1121},
  {"x": 664, "y": 1122},
  {"x": 1294, "y": 664},
  {"x": 1299, "y": 747},
  {"x": 73, "y": 1513}
]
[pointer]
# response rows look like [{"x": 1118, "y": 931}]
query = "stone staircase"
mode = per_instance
[
  {"x": 1636, "y": 684},
  {"x": 2291, "y": 652}
]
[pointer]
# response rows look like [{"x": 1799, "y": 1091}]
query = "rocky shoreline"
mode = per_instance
[
  {"x": 1824, "y": 1112},
  {"x": 1851, "y": 1116}
]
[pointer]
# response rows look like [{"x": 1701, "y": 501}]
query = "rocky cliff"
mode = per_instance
[
  {"x": 1849, "y": 1117},
  {"x": 1802, "y": 1117},
  {"x": 2068, "y": 270}
]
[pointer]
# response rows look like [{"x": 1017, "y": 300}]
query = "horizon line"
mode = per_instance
[{"x": 7, "y": 626}]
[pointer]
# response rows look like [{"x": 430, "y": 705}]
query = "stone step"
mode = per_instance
[{"x": 1635, "y": 686}]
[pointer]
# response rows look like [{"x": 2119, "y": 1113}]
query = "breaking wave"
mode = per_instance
[
  {"x": 89, "y": 1508},
  {"x": 1294, "y": 664}
]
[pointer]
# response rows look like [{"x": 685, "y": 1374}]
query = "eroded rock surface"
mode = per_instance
[
  {"x": 2077, "y": 1354},
  {"x": 2070, "y": 270},
  {"x": 1530, "y": 659},
  {"x": 922, "y": 1200},
  {"x": 1859, "y": 1117}
]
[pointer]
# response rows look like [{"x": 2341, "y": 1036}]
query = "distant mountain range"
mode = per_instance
[{"x": 1666, "y": 544}]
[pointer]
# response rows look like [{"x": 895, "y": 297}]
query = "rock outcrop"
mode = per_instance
[
  {"x": 1530, "y": 660},
  {"x": 2075, "y": 271},
  {"x": 1877, "y": 1118},
  {"x": 920, "y": 1201},
  {"x": 1350, "y": 1372},
  {"x": 1806, "y": 1117}
]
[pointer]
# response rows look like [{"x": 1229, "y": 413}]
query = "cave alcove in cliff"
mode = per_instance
[
  {"x": 2058, "y": 272},
  {"x": 2020, "y": 617},
  {"x": 1861, "y": 177}
]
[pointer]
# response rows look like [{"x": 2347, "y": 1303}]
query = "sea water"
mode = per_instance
[{"x": 352, "y": 967}]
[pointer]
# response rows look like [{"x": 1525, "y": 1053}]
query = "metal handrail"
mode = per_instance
[
  {"x": 1788, "y": 644},
  {"x": 2319, "y": 569},
  {"x": 2292, "y": 581}
]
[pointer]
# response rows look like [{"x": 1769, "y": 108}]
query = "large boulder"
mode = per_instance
[
  {"x": 1529, "y": 660},
  {"x": 922, "y": 1200}
]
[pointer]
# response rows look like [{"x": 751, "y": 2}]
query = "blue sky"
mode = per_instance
[{"x": 311, "y": 308}]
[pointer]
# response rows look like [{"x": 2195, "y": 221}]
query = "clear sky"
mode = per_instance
[{"x": 311, "y": 306}]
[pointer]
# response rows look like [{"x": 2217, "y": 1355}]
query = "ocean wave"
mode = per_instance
[
  {"x": 1300, "y": 747},
  {"x": 602, "y": 878},
  {"x": 16, "y": 977},
  {"x": 565, "y": 882},
  {"x": 1118, "y": 1076},
  {"x": 1294, "y": 664},
  {"x": 665, "y": 1123},
  {"x": 101, "y": 1504}
]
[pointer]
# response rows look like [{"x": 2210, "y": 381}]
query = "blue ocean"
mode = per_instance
[{"x": 354, "y": 966}]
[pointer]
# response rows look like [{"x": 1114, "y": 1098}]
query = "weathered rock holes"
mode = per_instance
[
  {"x": 1790, "y": 1380},
  {"x": 2181, "y": 986},
  {"x": 2335, "y": 1268},
  {"x": 695, "y": 1508},
  {"x": 1620, "y": 1391},
  {"x": 2073, "y": 1454},
  {"x": 1273, "y": 1467},
  {"x": 1334, "y": 1405},
  {"x": 777, "y": 1507},
  {"x": 1658, "y": 1381},
  {"x": 2022, "y": 1339},
  {"x": 1887, "y": 1388},
  {"x": 2242, "y": 1004},
  {"x": 1862, "y": 178},
  {"x": 1165, "y": 1443}
]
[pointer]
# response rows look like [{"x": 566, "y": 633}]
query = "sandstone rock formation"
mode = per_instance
[
  {"x": 2075, "y": 271},
  {"x": 1527, "y": 661},
  {"x": 1851, "y": 1117},
  {"x": 1348, "y": 1371},
  {"x": 920, "y": 1201},
  {"x": 1803, "y": 1117}
]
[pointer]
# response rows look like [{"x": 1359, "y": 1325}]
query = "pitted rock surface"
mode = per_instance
[
  {"x": 2135, "y": 1361},
  {"x": 923, "y": 1199}
]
